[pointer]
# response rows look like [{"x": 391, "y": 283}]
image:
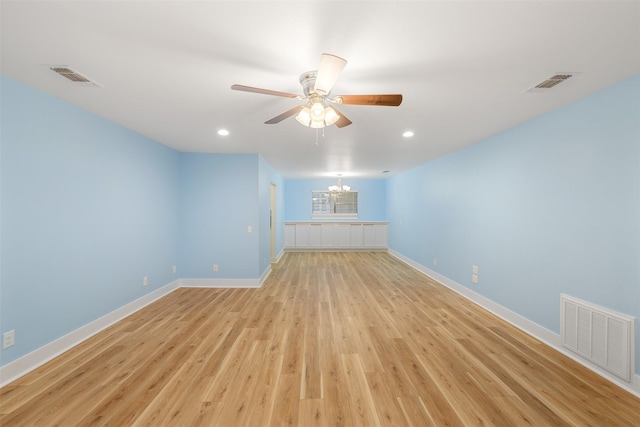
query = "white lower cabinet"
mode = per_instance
[
  {"x": 328, "y": 235},
  {"x": 335, "y": 235},
  {"x": 289, "y": 235},
  {"x": 343, "y": 238},
  {"x": 375, "y": 235},
  {"x": 302, "y": 235},
  {"x": 315, "y": 235},
  {"x": 355, "y": 231}
]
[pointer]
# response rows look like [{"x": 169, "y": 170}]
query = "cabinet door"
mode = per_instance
[
  {"x": 289, "y": 235},
  {"x": 356, "y": 235},
  {"x": 369, "y": 235},
  {"x": 315, "y": 235},
  {"x": 302, "y": 235},
  {"x": 381, "y": 235},
  {"x": 343, "y": 236},
  {"x": 328, "y": 235}
]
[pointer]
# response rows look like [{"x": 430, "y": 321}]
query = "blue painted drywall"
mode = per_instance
[
  {"x": 219, "y": 198},
  {"x": 88, "y": 209},
  {"x": 549, "y": 207},
  {"x": 371, "y": 197}
]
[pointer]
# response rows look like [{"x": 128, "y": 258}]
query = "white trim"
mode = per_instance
[
  {"x": 336, "y": 249},
  {"x": 220, "y": 283},
  {"x": 265, "y": 275},
  {"x": 27, "y": 363},
  {"x": 546, "y": 336}
]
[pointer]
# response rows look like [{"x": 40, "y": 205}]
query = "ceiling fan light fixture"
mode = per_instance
[
  {"x": 330, "y": 116},
  {"x": 317, "y": 116},
  {"x": 317, "y": 111},
  {"x": 304, "y": 117},
  {"x": 317, "y": 124}
]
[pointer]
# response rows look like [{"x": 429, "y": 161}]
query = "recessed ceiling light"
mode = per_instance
[
  {"x": 223, "y": 132},
  {"x": 408, "y": 134}
]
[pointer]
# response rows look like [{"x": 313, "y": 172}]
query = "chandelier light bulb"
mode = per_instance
[{"x": 339, "y": 188}]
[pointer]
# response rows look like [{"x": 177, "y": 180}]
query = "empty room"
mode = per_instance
[{"x": 320, "y": 213}]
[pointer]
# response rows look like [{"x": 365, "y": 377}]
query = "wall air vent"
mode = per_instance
[
  {"x": 551, "y": 82},
  {"x": 601, "y": 336},
  {"x": 73, "y": 76}
]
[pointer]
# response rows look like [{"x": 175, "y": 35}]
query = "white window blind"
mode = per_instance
[{"x": 326, "y": 204}]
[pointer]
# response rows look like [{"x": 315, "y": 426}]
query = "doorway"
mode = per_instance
[{"x": 272, "y": 224}]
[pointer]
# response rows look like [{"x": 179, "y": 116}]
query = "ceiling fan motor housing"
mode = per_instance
[{"x": 308, "y": 82}]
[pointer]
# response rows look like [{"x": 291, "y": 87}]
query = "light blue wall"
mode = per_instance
[
  {"x": 219, "y": 199},
  {"x": 371, "y": 197},
  {"x": 88, "y": 209},
  {"x": 549, "y": 207},
  {"x": 268, "y": 176}
]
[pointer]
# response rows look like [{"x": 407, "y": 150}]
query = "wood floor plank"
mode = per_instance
[
  {"x": 312, "y": 413},
  {"x": 361, "y": 402},
  {"x": 389, "y": 410},
  {"x": 330, "y": 339}
]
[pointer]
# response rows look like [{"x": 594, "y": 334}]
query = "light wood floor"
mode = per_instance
[{"x": 352, "y": 339}]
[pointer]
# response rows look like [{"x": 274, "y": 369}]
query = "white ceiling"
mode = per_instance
[{"x": 463, "y": 67}]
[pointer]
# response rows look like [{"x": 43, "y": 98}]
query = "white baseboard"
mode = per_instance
[
  {"x": 42, "y": 355},
  {"x": 546, "y": 336},
  {"x": 220, "y": 283},
  {"x": 265, "y": 274}
]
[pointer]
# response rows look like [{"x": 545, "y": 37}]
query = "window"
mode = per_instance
[{"x": 334, "y": 205}]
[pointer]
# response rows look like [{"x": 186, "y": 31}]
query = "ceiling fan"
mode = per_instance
[{"x": 316, "y": 86}]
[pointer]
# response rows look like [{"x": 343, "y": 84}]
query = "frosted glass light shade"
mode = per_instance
[{"x": 304, "y": 116}]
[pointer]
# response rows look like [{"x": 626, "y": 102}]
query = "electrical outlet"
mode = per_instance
[
  {"x": 8, "y": 338},
  {"x": 435, "y": 262},
  {"x": 145, "y": 281},
  {"x": 475, "y": 269},
  {"x": 174, "y": 269},
  {"x": 215, "y": 267},
  {"x": 474, "y": 279},
  {"x": 249, "y": 229}
]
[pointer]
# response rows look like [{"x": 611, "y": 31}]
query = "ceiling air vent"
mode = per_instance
[
  {"x": 551, "y": 82},
  {"x": 73, "y": 76}
]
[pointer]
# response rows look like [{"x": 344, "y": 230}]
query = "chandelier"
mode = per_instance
[{"x": 337, "y": 189}]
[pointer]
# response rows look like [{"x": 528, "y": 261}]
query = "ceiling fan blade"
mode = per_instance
[
  {"x": 263, "y": 91},
  {"x": 328, "y": 72},
  {"x": 285, "y": 115},
  {"x": 386, "y": 100},
  {"x": 343, "y": 120}
]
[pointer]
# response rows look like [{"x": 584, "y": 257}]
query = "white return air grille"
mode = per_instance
[{"x": 602, "y": 336}]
